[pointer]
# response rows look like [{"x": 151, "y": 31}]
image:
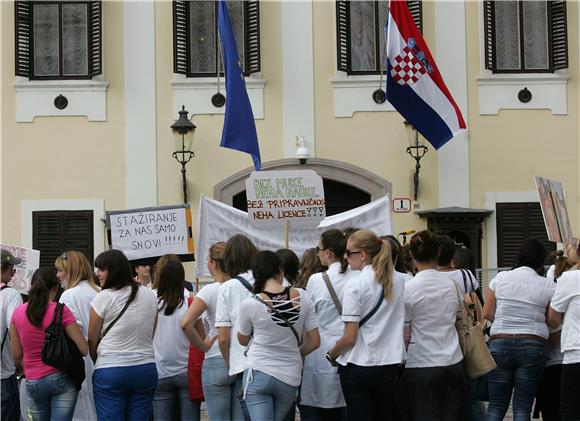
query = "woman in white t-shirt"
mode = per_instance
[
  {"x": 434, "y": 384},
  {"x": 121, "y": 328},
  {"x": 516, "y": 303},
  {"x": 238, "y": 256},
  {"x": 565, "y": 311},
  {"x": 275, "y": 319},
  {"x": 75, "y": 274},
  {"x": 321, "y": 394},
  {"x": 172, "y": 349},
  {"x": 371, "y": 351},
  {"x": 218, "y": 388}
]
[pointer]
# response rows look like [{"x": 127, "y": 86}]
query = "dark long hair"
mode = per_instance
[
  {"x": 309, "y": 265},
  {"x": 266, "y": 265},
  {"x": 170, "y": 287},
  {"x": 239, "y": 254},
  {"x": 396, "y": 253},
  {"x": 120, "y": 273},
  {"x": 43, "y": 280},
  {"x": 290, "y": 264},
  {"x": 335, "y": 240}
]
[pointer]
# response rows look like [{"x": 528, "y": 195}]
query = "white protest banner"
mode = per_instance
[
  {"x": 276, "y": 197},
  {"x": 218, "y": 222},
  {"x": 24, "y": 271},
  {"x": 151, "y": 232}
]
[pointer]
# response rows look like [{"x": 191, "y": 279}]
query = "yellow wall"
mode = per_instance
[
  {"x": 508, "y": 150},
  {"x": 62, "y": 157}
]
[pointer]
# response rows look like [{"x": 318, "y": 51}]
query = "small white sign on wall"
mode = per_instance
[{"x": 401, "y": 205}]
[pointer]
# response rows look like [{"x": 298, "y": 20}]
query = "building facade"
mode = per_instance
[{"x": 90, "y": 90}]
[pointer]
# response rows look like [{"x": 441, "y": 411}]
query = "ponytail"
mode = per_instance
[
  {"x": 43, "y": 281},
  {"x": 381, "y": 260},
  {"x": 561, "y": 265},
  {"x": 382, "y": 264},
  {"x": 335, "y": 240}
]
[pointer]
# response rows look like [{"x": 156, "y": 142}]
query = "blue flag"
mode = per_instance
[{"x": 239, "y": 130}]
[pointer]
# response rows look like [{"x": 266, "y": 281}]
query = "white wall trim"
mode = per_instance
[
  {"x": 353, "y": 93},
  {"x": 491, "y": 198},
  {"x": 451, "y": 48},
  {"x": 297, "y": 76},
  {"x": 96, "y": 205},
  {"x": 140, "y": 103},
  {"x": 196, "y": 92},
  {"x": 36, "y": 98},
  {"x": 500, "y": 91}
]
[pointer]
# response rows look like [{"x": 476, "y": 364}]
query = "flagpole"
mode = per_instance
[{"x": 218, "y": 99}]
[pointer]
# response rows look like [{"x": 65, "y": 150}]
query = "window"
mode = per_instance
[
  {"x": 58, "y": 40},
  {"x": 360, "y": 34},
  {"x": 525, "y": 36},
  {"x": 517, "y": 222},
  {"x": 56, "y": 231},
  {"x": 195, "y": 36}
]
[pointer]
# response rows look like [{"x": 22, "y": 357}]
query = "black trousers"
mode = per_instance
[
  {"x": 370, "y": 392},
  {"x": 570, "y": 392},
  {"x": 548, "y": 394},
  {"x": 434, "y": 393}
]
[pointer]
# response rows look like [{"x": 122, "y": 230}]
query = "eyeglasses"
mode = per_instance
[
  {"x": 318, "y": 249},
  {"x": 349, "y": 253}
]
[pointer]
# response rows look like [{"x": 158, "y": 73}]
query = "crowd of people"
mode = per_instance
[{"x": 360, "y": 328}]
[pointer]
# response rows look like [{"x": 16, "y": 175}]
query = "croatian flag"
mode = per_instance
[{"x": 414, "y": 85}]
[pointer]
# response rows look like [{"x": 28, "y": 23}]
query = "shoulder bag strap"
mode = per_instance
[
  {"x": 284, "y": 318},
  {"x": 374, "y": 310},
  {"x": 245, "y": 283},
  {"x": 464, "y": 280},
  {"x": 471, "y": 276},
  {"x": 5, "y": 333},
  {"x": 129, "y": 300},
  {"x": 332, "y": 292}
]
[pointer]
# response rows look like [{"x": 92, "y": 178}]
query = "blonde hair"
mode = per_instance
[
  {"x": 380, "y": 253},
  {"x": 159, "y": 265},
  {"x": 77, "y": 267}
]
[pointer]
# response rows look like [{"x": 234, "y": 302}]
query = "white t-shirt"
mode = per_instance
[
  {"x": 406, "y": 276},
  {"x": 9, "y": 300},
  {"x": 130, "y": 340},
  {"x": 431, "y": 306},
  {"x": 170, "y": 343},
  {"x": 380, "y": 340},
  {"x": 78, "y": 300},
  {"x": 521, "y": 299},
  {"x": 566, "y": 300},
  {"x": 231, "y": 294},
  {"x": 320, "y": 382},
  {"x": 274, "y": 349},
  {"x": 457, "y": 277},
  {"x": 209, "y": 295}
]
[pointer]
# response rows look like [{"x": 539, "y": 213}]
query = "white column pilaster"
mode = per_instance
[
  {"x": 451, "y": 58},
  {"x": 140, "y": 115},
  {"x": 297, "y": 76}
]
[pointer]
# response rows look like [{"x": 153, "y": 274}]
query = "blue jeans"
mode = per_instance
[
  {"x": 52, "y": 398},
  {"x": 10, "y": 399},
  {"x": 267, "y": 398},
  {"x": 172, "y": 392},
  {"x": 520, "y": 364},
  {"x": 219, "y": 391},
  {"x": 124, "y": 393}
]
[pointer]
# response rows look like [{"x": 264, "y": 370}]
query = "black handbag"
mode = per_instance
[{"x": 60, "y": 351}]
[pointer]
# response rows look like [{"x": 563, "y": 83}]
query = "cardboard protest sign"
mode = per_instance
[
  {"x": 152, "y": 232},
  {"x": 24, "y": 271},
  {"x": 218, "y": 222},
  {"x": 548, "y": 210},
  {"x": 561, "y": 212},
  {"x": 275, "y": 197}
]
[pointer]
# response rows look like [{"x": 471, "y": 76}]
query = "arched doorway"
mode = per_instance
[{"x": 346, "y": 186}]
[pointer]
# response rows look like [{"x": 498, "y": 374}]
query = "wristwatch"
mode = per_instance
[{"x": 331, "y": 360}]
